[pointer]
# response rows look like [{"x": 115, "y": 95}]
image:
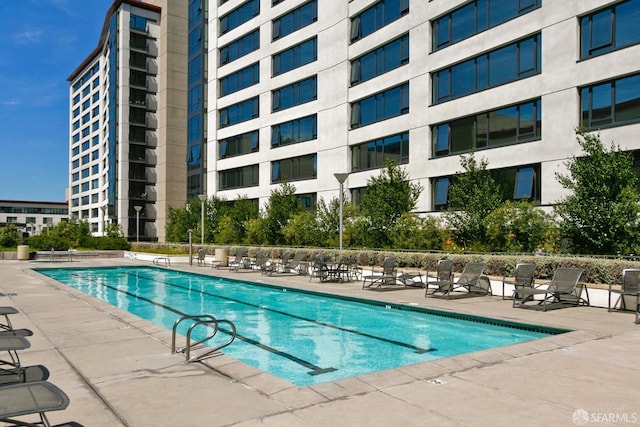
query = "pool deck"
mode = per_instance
[{"x": 118, "y": 371}]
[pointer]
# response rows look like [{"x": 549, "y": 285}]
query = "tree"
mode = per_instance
[
  {"x": 282, "y": 205},
  {"x": 387, "y": 197},
  {"x": 8, "y": 236},
  {"x": 520, "y": 227},
  {"x": 600, "y": 215},
  {"x": 473, "y": 195}
]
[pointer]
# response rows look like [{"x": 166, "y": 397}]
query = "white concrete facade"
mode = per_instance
[{"x": 557, "y": 86}]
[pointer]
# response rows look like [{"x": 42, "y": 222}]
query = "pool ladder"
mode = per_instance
[{"x": 198, "y": 320}]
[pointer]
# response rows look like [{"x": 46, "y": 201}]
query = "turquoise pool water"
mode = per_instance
[{"x": 302, "y": 337}]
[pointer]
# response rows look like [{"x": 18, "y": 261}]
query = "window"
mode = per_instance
[
  {"x": 440, "y": 193},
  {"x": 294, "y": 169},
  {"x": 611, "y": 103},
  {"x": 298, "y": 18},
  {"x": 386, "y": 58},
  {"x": 508, "y": 125},
  {"x": 381, "y": 106},
  {"x": 239, "y": 144},
  {"x": 308, "y": 200},
  {"x": 609, "y": 29},
  {"x": 194, "y": 157},
  {"x": 377, "y": 16},
  {"x": 239, "y": 15},
  {"x": 516, "y": 183},
  {"x": 240, "y": 112},
  {"x": 138, "y": 60},
  {"x": 239, "y": 48},
  {"x": 239, "y": 80},
  {"x": 373, "y": 154},
  {"x": 294, "y": 94},
  {"x": 294, "y": 131},
  {"x": 243, "y": 177},
  {"x": 296, "y": 56},
  {"x": 513, "y": 62},
  {"x": 138, "y": 23},
  {"x": 475, "y": 17},
  {"x": 138, "y": 42}
]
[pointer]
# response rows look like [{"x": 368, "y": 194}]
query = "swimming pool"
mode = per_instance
[{"x": 303, "y": 337}]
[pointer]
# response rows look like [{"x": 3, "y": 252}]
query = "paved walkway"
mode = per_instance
[{"x": 118, "y": 371}]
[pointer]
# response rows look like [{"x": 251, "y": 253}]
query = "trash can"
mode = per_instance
[
  {"x": 221, "y": 255},
  {"x": 23, "y": 252}
]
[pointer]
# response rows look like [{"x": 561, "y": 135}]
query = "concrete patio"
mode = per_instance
[{"x": 118, "y": 371}]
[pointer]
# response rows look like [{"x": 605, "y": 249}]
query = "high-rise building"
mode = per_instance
[
  {"x": 299, "y": 90},
  {"x": 128, "y": 120}
]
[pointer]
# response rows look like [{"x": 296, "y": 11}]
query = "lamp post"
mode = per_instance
[
  {"x": 203, "y": 198},
  {"x": 341, "y": 177},
  {"x": 138, "y": 209}
]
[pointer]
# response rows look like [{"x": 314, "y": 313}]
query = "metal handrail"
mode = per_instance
[
  {"x": 214, "y": 349},
  {"x": 200, "y": 319}
]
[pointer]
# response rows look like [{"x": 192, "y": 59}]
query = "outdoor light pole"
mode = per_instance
[
  {"x": 341, "y": 177},
  {"x": 138, "y": 209},
  {"x": 203, "y": 198}
]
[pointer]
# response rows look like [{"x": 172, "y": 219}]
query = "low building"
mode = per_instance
[{"x": 32, "y": 217}]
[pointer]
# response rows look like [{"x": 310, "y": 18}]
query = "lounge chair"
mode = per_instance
[
  {"x": 240, "y": 260},
  {"x": 443, "y": 279},
  {"x": 524, "y": 276},
  {"x": 471, "y": 281},
  {"x": 628, "y": 292},
  {"x": 562, "y": 290},
  {"x": 293, "y": 264},
  {"x": 7, "y": 328},
  {"x": 17, "y": 400},
  {"x": 388, "y": 276},
  {"x": 23, "y": 374},
  {"x": 409, "y": 278}
]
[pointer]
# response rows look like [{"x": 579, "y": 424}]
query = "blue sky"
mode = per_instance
[{"x": 41, "y": 43}]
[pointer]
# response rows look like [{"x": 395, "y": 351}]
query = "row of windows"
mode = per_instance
[
  {"x": 377, "y": 16},
  {"x": 475, "y": 17},
  {"x": 611, "y": 103},
  {"x": 286, "y": 133},
  {"x": 294, "y": 131},
  {"x": 515, "y": 61},
  {"x": 239, "y": 15},
  {"x": 293, "y": 169},
  {"x": 292, "y": 21},
  {"x": 293, "y": 57},
  {"x": 385, "y": 58},
  {"x": 34, "y": 210},
  {"x": 294, "y": 94},
  {"x": 240, "y": 112},
  {"x": 240, "y": 47},
  {"x": 516, "y": 183},
  {"x": 374, "y": 154},
  {"x": 509, "y": 125},
  {"x": 380, "y": 106},
  {"x": 608, "y": 29},
  {"x": 282, "y": 26},
  {"x": 241, "y": 79},
  {"x": 239, "y": 144}
]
